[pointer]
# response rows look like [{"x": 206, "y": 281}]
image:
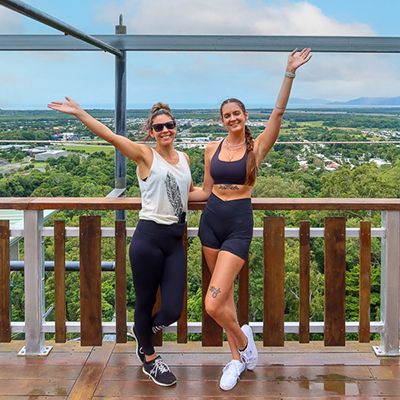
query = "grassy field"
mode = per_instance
[{"x": 89, "y": 148}]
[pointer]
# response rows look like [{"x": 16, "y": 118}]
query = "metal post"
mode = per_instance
[
  {"x": 120, "y": 117},
  {"x": 34, "y": 286},
  {"x": 31, "y": 12},
  {"x": 390, "y": 285}
]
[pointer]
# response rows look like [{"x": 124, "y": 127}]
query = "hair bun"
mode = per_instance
[{"x": 160, "y": 106}]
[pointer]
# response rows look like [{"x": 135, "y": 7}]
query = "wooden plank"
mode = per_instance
[
  {"x": 120, "y": 281},
  {"x": 30, "y": 397},
  {"x": 335, "y": 281},
  {"x": 274, "y": 276},
  {"x": 25, "y": 372},
  {"x": 266, "y": 373},
  {"x": 182, "y": 322},
  {"x": 90, "y": 376},
  {"x": 211, "y": 332},
  {"x": 5, "y": 326},
  {"x": 157, "y": 337},
  {"x": 365, "y": 282},
  {"x": 90, "y": 280},
  {"x": 243, "y": 295},
  {"x": 54, "y": 359},
  {"x": 134, "y": 203},
  {"x": 37, "y": 387},
  {"x": 304, "y": 328},
  {"x": 59, "y": 282}
]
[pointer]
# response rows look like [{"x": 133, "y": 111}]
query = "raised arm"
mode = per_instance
[
  {"x": 133, "y": 151},
  {"x": 264, "y": 142}
]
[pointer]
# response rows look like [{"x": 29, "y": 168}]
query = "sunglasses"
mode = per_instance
[{"x": 160, "y": 127}]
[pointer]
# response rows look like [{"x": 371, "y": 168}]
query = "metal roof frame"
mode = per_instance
[
  {"x": 31, "y": 12},
  {"x": 92, "y": 43},
  {"x": 209, "y": 43},
  {"x": 120, "y": 43}
]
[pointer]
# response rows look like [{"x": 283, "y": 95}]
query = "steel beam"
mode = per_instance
[
  {"x": 120, "y": 119},
  {"x": 55, "y": 23},
  {"x": 233, "y": 43}
]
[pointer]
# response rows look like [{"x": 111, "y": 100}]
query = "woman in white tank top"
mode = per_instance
[{"x": 156, "y": 250}]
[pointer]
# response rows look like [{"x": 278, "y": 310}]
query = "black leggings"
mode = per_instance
[{"x": 157, "y": 260}]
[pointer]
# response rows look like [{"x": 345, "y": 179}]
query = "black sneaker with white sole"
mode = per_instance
[
  {"x": 139, "y": 349},
  {"x": 159, "y": 372}
]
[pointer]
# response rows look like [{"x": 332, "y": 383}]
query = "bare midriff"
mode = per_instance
[{"x": 232, "y": 191}]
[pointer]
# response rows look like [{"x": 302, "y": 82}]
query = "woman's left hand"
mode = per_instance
[{"x": 296, "y": 59}]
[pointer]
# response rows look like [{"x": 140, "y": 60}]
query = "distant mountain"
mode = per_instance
[
  {"x": 295, "y": 101},
  {"x": 360, "y": 101},
  {"x": 370, "y": 101}
]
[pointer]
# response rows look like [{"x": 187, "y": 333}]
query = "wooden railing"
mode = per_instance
[{"x": 91, "y": 327}]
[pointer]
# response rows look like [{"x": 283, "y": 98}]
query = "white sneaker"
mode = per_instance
[
  {"x": 231, "y": 374},
  {"x": 249, "y": 355}
]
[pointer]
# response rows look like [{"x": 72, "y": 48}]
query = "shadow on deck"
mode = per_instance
[{"x": 112, "y": 371}]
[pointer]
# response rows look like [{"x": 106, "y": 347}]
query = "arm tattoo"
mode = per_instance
[
  {"x": 215, "y": 291},
  {"x": 228, "y": 186}
]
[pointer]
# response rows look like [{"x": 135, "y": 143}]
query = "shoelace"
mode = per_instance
[
  {"x": 160, "y": 366},
  {"x": 245, "y": 357},
  {"x": 157, "y": 328},
  {"x": 231, "y": 367}
]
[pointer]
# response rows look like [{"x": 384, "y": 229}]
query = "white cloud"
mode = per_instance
[
  {"x": 327, "y": 75},
  {"x": 226, "y": 17},
  {"x": 10, "y": 21}
]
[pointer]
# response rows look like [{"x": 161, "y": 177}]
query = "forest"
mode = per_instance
[{"x": 92, "y": 174}]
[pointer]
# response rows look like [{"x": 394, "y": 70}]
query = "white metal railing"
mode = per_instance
[{"x": 35, "y": 326}]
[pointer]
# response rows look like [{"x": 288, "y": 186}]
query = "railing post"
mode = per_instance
[
  {"x": 390, "y": 284},
  {"x": 120, "y": 117},
  {"x": 34, "y": 285}
]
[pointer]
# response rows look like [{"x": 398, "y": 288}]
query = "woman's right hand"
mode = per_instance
[{"x": 70, "y": 106}]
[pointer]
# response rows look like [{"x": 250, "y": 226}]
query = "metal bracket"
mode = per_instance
[
  {"x": 379, "y": 352},
  {"x": 44, "y": 351}
]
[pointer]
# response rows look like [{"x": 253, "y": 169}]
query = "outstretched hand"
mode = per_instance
[
  {"x": 69, "y": 106},
  {"x": 296, "y": 58}
]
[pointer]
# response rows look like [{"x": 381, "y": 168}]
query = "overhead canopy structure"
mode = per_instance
[
  {"x": 242, "y": 43},
  {"x": 120, "y": 43}
]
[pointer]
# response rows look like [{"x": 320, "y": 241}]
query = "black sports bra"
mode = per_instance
[{"x": 233, "y": 172}]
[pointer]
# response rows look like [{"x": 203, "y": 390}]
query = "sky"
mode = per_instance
[{"x": 29, "y": 80}]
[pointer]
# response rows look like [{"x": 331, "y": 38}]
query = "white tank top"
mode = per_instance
[{"x": 165, "y": 191}]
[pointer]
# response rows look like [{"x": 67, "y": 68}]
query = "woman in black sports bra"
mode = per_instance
[{"x": 226, "y": 225}]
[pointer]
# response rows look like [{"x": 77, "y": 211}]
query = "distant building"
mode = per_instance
[
  {"x": 68, "y": 136},
  {"x": 50, "y": 154},
  {"x": 303, "y": 164},
  {"x": 10, "y": 146},
  {"x": 332, "y": 166},
  {"x": 379, "y": 162},
  {"x": 36, "y": 150}
]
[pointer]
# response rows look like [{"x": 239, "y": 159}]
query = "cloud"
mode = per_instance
[
  {"x": 327, "y": 75},
  {"x": 10, "y": 22},
  {"x": 226, "y": 17},
  {"x": 206, "y": 76}
]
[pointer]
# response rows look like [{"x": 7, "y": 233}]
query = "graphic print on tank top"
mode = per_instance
[{"x": 174, "y": 194}]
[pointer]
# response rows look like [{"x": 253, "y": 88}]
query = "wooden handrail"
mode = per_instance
[
  {"x": 134, "y": 203},
  {"x": 273, "y": 329}
]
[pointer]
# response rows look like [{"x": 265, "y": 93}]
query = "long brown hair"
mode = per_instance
[
  {"x": 251, "y": 166},
  {"x": 156, "y": 110}
]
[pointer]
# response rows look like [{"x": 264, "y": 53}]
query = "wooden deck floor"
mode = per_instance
[{"x": 112, "y": 372}]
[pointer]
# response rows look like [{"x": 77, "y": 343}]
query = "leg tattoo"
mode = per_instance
[{"x": 215, "y": 291}]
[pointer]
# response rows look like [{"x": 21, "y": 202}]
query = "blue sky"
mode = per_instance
[{"x": 32, "y": 79}]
